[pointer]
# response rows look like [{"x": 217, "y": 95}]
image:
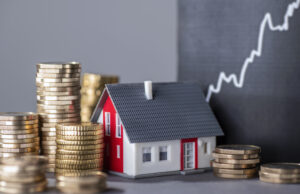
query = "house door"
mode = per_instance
[{"x": 189, "y": 154}]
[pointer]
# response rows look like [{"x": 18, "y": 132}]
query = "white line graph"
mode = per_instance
[{"x": 266, "y": 22}]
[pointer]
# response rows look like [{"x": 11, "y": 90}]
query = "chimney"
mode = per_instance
[{"x": 148, "y": 90}]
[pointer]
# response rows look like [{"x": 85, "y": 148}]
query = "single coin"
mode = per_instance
[
  {"x": 234, "y": 161},
  {"x": 24, "y": 136},
  {"x": 87, "y": 142},
  {"x": 58, "y": 102},
  {"x": 19, "y": 122},
  {"x": 232, "y": 166},
  {"x": 59, "y": 71},
  {"x": 21, "y": 127},
  {"x": 13, "y": 141},
  {"x": 48, "y": 129},
  {"x": 281, "y": 168},
  {"x": 64, "y": 108},
  {"x": 237, "y": 149},
  {"x": 25, "y": 145},
  {"x": 79, "y": 157},
  {"x": 48, "y": 143},
  {"x": 18, "y": 132},
  {"x": 76, "y": 152},
  {"x": 235, "y": 176},
  {"x": 56, "y": 80},
  {"x": 278, "y": 180},
  {"x": 48, "y": 151},
  {"x": 235, "y": 156},
  {"x": 58, "y": 65},
  {"x": 23, "y": 179},
  {"x": 279, "y": 176},
  {"x": 63, "y": 98},
  {"x": 16, "y": 116},
  {"x": 78, "y": 162},
  {"x": 59, "y": 89},
  {"x": 58, "y": 111},
  {"x": 58, "y": 94},
  {"x": 50, "y": 138},
  {"x": 80, "y": 133},
  {"x": 17, "y": 150},
  {"x": 74, "y": 172},
  {"x": 53, "y": 124},
  {"x": 92, "y": 177},
  {"x": 77, "y": 166},
  {"x": 58, "y": 75},
  {"x": 7, "y": 187},
  {"x": 9, "y": 155},
  {"x": 79, "y": 138},
  {"x": 59, "y": 116},
  {"x": 87, "y": 126},
  {"x": 48, "y": 134},
  {"x": 67, "y": 120},
  {"x": 64, "y": 84},
  {"x": 49, "y": 147},
  {"x": 80, "y": 147},
  {"x": 249, "y": 171}
]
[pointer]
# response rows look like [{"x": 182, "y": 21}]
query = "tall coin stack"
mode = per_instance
[
  {"x": 79, "y": 148},
  {"x": 25, "y": 174},
  {"x": 19, "y": 134},
  {"x": 236, "y": 161},
  {"x": 92, "y": 87},
  {"x": 58, "y": 101},
  {"x": 280, "y": 173}
]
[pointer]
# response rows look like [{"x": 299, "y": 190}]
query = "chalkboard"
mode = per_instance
[{"x": 246, "y": 56}]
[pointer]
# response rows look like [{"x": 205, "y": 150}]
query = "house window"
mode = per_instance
[
  {"x": 118, "y": 151},
  {"x": 163, "y": 153},
  {"x": 147, "y": 154},
  {"x": 107, "y": 123},
  {"x": 205, "y": 147},
  {"x": 118, "y": 126}
]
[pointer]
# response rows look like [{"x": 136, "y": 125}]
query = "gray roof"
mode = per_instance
[{"x": 177, "y": 111}]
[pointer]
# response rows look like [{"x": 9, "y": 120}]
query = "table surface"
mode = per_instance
[{"x": 197, "y": 183}]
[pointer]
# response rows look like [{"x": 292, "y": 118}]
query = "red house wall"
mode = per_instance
[{"x": 111, "y": 162}]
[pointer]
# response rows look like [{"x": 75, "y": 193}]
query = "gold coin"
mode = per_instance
[
  {"x": 58, "y": 102},
  {"x": 87, "y": 142},
  {"x": 77, "y": 166},
  {"x": 278, "y": 180},
  {"x": 59, "y": 89},
  {"x": 18, "y": 116},
  {"x": 50, "y": 138},
  {"x": 234, "y": 161},
  {"x": 23, "y": 179},
  {"x": 44, "y": 124},
  {"x": 74, "y": 172},
  {"x": 49, "y": 147},
  {"x": 48, "y": 151},
  {"x": 281, "y": 168},
  {"x": 18, "y": 132},
  {"x": 8, "y": 187},
  {"x": 80, "y": 133},
  {"x": 235, "y": 171},
  {"x": 79, "y": 126},
  {"x": 67, "y": 120},
  {"x": 58, "y": 111},
  {"x": 56, "y": 80},
  {"x": 76, "y": 152},
  {"x": 59, "y": 116},
  {"x": 78, "y": 157},
  {"x": 235, "y": 176},
  {"x": 58, "y": 65},
  {"x": 18, "y": 123},
  {"x": 25, "y": 145},
  {"x": 17, "y": 150},
  {"x": 58, "y": 75},
  {"x": 91, "y": 177},
  {"x": 237, "y": 149},
  {"x": 13, "y": 141},
  {"x": 59, "y": 71},
  {"x": 232, "y": 166},
  {"x": 48, "y": 129},
  {"x": 80, "y": 147},
  {"x": 55, "y": 94},
  {"x": 64, "y": 84},
  {"x": 279, "y": 176},
  {"x": 79, "y": 138},
  {"x": 48, "y": 134},
  {"x": 49, "y": 143},
  {"x": 235, "y": 156},
  {"x": 78, "y": 162},
  {"x": 24, "y": 136},
  {"x": 21, "y": 127},
  {"x": 9, "y": 155},
  {"x": 58, "y": 98}
]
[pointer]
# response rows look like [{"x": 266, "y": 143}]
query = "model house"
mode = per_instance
[{"x": 156, "y": 129}]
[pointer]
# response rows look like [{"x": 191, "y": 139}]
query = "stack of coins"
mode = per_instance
[
  {"x": 92, "y": 182},
  {"x": 58, "y": 101},
  {"x": 79, "y": 148},
  {"x": 92, "y": 87},
  {"x": 280, "y": 173},
  {"x": 25, "y": 174},
  {"x": 19, "y": 134},
  {"x": 236, "y": 161}
]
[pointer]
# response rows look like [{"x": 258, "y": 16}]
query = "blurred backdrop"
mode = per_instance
[{"x": 135, "y": 39}]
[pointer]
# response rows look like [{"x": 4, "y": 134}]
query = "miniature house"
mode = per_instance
[{"x": 156, "y": 129}]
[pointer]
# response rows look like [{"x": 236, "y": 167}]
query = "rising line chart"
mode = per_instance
[{"x": 238, "y": 80}]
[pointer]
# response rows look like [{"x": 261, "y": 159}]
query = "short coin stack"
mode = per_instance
[
  {"x": 25, "y": 174},
  {"x": 79, "y": 148},
  {"x": 92, "y": 182},
  {"x": 58, "y": 101},
  {"x": 280, "y": 173},
  {"x": 92, "y": 87},
  {"x": 19, "y": 134},
  {"x": 236, "y": 161}
]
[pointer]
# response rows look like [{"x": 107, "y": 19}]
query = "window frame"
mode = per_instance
[
  {"x": 118, "y": 152},
  {"x": 107, "y": 123},
  {"x": 163, "y": 149},
  {"x": 146, "y": 150},
  {"x": 118, "y": 126}
]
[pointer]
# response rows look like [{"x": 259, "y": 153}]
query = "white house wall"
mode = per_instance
[
  {"x": 129, "y": 155},
  {"x": 204, "y": 158}
]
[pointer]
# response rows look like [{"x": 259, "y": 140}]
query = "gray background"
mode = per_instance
[{"x": 135, "y": 39}]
